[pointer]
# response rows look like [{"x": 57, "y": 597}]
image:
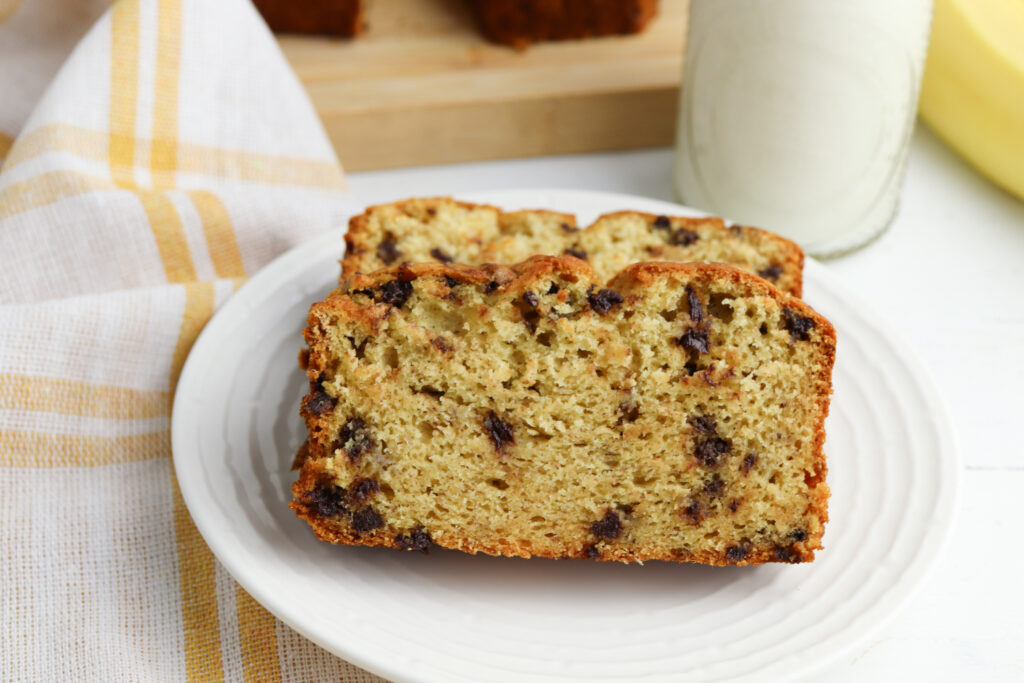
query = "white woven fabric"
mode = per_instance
[{"x": 171, "y": 155}]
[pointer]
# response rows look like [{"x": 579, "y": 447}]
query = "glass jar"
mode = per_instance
[{"x": 796, "y": 115}]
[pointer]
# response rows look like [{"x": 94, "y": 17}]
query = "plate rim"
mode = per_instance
[{"x": 934, "y": 541}]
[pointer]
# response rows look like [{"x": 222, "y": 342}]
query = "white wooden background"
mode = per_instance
[{"x": 949, "y": 276}]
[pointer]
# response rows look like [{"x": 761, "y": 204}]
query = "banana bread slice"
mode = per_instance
[
  {"x": 444, "y": 230},
  {"x": 675, "y": 413}
]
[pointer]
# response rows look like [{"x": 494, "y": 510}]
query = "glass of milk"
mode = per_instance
[{"x": 796, "y": 115}]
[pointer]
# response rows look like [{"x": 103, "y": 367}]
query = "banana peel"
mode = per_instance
[{"x": 972, "y": 94}]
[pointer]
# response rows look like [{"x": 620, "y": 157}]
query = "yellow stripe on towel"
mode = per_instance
[
  {"x": 163, "y": 158},
  {"x": 124, "y": 90},
  {"x": 35, "y": 449},
  {"x": 257, "y": 634},
  {"x": 220, "y": 234},
  {"x": 68, "y": 397},
  {"x": 196, "y": 565}
]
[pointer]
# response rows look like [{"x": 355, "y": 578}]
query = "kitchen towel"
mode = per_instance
[{"x": 171, "y": 154}]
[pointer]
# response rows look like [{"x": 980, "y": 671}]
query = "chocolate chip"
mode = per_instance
[
  {"x": 696, "y": 340},
  {"x": 710, "y": 451},
  {"x": 694, "y": 512},
  {"x": 491, "y": 287},
  {"x": 628, "y": 411},
  {"x": 683, "y": 237},
  {"x": 441, "y": 344},
  {"x": 432, "y": 211},
  {"x": 577, "y": 252},
  {"x": 387, "y": 250},
  {"x": 736, "y": 230},
  {"x": 625, "y": 508},
  {"x": 355, "y": 438},
  {"x": 358, "y": 347},
  {"x": 440, "y": 255},
  {"x": 690, "y": 367},
  {"x": 319, "y": 402},
  {"x": 772, "y": 272},
  {"x": 799, "y": 327},
  {"x": 662, "y": 223},
  {"x": 607, "y": 527},
  {"x": 527, "y": 307},
  {"x": 592, "y": 552},
  {"x": 327, "y": 499},
  {"x": 784, "y": 554},
  {"x": 361, "y": 490},
  {"x": 553, "y": 289},
  {"x": 499, "y": 431},
  {"x": 603, "y": 300},
  {"x": 431, "y": 391},
  {"x": 748, "y": 462},
  {"x": 696, "y": 309},
  {"x": 366, "y": 519},
  {"x": 714, "y": 487},
  {"x": 568, "y": 228},
  {"x": 734, "y": 505},
  {"x": 703, "y": 423},
  {"x": 450, "y": 281},
  {"x": 798, "y": 536},
  {"x": 394, "y": 293},
  {"x": 736, "y": 553},
  {"x": 418, "y": 539}
]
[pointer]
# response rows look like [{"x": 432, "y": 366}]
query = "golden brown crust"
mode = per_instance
[
  {"x": 647, "y": 273},
  {"x": 357, "y": 238},
  {"x": 781, "y": 260},
  {"x": 793, "y": 256},
  {"x": 516, "y": 281},
  {"x": 510, "y": 218},
  {"x": 514, "y": 277}
]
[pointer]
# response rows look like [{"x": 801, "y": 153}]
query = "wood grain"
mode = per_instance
[{"x": 422, "y": 87}]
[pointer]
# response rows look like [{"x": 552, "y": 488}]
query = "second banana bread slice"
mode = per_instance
[{"x": 443, "y": 230}]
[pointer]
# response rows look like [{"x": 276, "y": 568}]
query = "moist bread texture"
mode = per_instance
[
  {"x": 444, "y": 230},
  {"x": 675, "y": 413}
]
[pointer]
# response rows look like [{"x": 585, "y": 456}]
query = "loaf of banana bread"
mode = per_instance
[
  {"x": 521, "y": 22},
  {"x": 510, "y": 22}
]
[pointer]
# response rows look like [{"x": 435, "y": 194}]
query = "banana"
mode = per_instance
[{"x": 972, "y": 95}]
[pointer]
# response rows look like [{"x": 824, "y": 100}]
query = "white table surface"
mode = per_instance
[{"x": 949, "y": 276}]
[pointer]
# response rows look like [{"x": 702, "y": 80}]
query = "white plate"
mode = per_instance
[{"x": 453, "y": 617}]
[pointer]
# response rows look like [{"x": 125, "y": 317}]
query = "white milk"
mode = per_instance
[{"x": 796, "y": 115}]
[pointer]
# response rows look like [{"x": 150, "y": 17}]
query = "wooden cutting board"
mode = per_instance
[{"x": 422, "y": 87}]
